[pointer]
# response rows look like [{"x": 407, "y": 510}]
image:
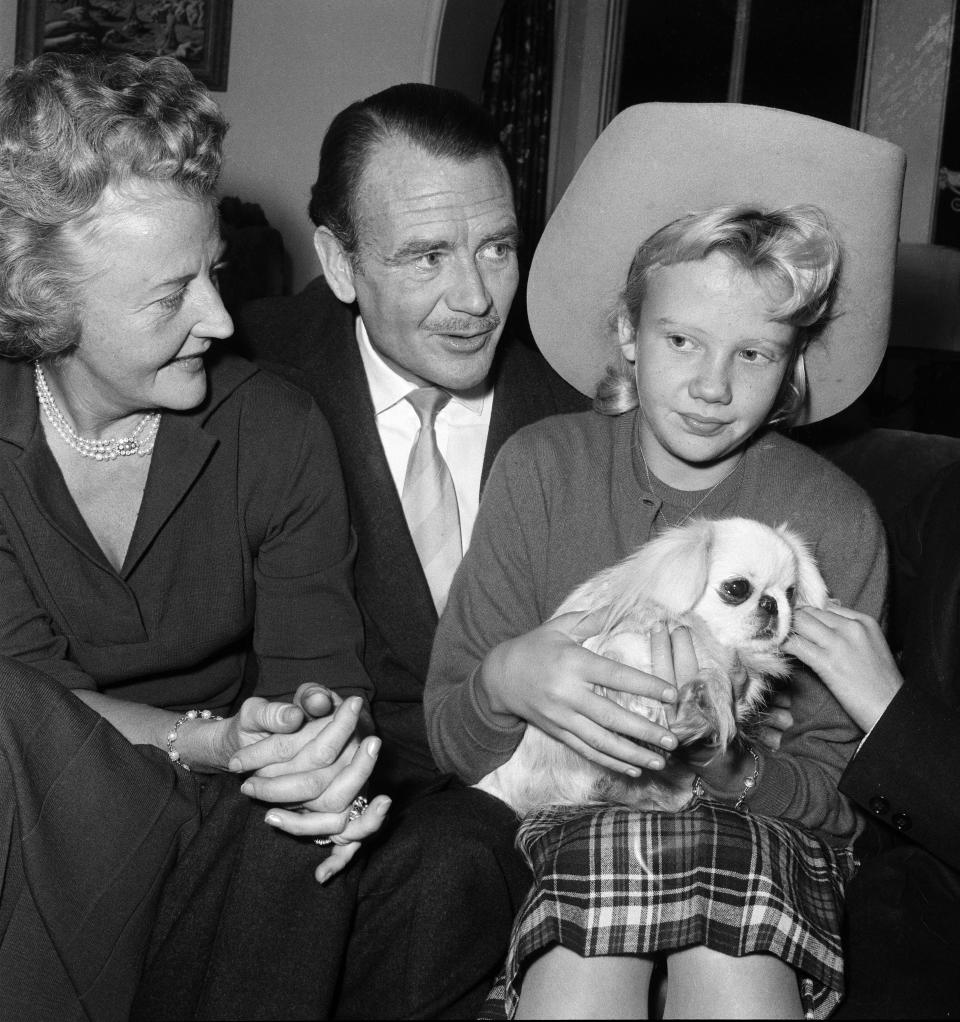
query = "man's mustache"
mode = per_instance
[{"x": 464, "y": 326}]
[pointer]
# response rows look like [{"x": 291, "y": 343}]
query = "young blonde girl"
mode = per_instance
[{"x": 741, "y": 892}]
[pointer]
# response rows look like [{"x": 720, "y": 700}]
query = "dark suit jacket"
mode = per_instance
[
  {"x": 903, "y": 906},
  {"x": 310, "y": 339},
  {"x": 907, "y": 772}
]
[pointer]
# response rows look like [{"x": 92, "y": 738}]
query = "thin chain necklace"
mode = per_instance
[
  {"x": 140, "y": 441},
  {"x": 698, "y": 504}
]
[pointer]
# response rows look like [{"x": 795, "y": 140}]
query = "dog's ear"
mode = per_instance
[
  {"x": 670, "y": 571},
  {"x": 811, "y": 589}
]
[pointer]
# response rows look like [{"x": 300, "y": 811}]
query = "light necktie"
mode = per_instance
[{"x": 429, "y": 499}]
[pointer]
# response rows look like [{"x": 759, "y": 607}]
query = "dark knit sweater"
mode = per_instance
[{"x": 569, "y": 496}]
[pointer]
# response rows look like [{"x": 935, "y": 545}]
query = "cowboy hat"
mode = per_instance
[{"x": 658, "y": 161}]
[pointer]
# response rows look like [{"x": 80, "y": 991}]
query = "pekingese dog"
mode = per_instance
[{"x": 734, "y": 583}]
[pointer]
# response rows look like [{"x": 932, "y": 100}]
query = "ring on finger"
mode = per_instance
[{"x": 357, "y": 808}]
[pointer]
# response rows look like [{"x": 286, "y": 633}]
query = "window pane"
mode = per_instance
[
  {"x": 806, "y": 57},
  {"x": 947, "y": 225},
  {"x": 678, "y": 51}
]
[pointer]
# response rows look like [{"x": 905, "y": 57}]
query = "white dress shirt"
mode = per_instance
[{"x": 462, "y": 427}]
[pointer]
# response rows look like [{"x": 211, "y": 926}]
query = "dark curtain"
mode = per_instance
[{"x": 517, "y": 91}]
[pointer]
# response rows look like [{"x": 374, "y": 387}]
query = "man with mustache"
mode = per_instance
[{"x": 402, "y": 340}]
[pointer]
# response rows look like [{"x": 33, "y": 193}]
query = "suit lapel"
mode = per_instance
[
  {"x": 508, "y": 414},
  {"x": 183, "y": 449},
  {"x": 37, "y": 485},
  {"x": 181, "y": 452},
  {"x": 526, "y": 390},
  {"x": 42, "y": 491}
]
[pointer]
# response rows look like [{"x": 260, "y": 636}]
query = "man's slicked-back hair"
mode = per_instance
[{"x": 441, "y": 122}]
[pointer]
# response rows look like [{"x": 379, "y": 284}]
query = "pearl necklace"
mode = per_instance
[
  {"x": 696, "y": 506},
  {"x": 140, "y": 441}
]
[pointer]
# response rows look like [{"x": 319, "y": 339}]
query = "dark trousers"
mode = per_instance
[
  {"x": 416, "y": 927},
  {"x": 131, "y": 888},
  {"x": 89, "y": 830},
  {"x": 438, "y": 896},
  {"x": 243, "y": 930},
  {"x": 903, "y": 938}
]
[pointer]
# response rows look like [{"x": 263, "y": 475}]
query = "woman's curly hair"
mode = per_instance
[{"x": 69, "y": 127}]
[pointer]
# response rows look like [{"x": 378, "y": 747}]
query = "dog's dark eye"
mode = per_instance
[
  {"x": 735, "y": 590},
  {"x": 792, "y": 595}
]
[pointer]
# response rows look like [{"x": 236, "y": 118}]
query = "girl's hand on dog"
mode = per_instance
[
  {"x": 721, "y": 772},
  {"x": 851, "y": 657},
  {"x": 547, "y": 678}
]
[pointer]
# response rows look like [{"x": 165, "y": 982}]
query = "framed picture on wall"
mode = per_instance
[{"x": 196, "y": 32}]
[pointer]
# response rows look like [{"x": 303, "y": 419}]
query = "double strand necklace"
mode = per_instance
[
  {"x": 698, "y": 504},
  {"x": 140, "y": 441}
]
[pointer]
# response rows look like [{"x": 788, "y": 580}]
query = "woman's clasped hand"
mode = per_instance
[{"x": 306, "y": 759}]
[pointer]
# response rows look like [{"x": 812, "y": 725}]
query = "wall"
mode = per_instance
[
  {"x": 8, "y": 28},
  {"x": 295, "y": 63}
]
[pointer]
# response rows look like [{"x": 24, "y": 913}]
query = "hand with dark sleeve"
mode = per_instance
[{"x": 902, "y": 771}]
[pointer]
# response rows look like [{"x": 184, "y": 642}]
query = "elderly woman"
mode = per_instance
[{"x": 175, "y": 568}]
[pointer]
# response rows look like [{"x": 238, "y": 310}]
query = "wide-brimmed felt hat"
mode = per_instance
[{"x": 659, "y": 161}]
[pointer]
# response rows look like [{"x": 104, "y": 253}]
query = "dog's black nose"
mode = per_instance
[{"x": 768, "y": 605}]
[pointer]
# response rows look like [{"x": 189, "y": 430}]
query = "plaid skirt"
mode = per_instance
[{"x": 620, "y": 882}]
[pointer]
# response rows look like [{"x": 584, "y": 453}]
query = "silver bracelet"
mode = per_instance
[
  {"x": 698, "y": 793},
  {"x": 172, "y": 735},
  {"x": 750, "y": 782},
  {"x": 748, "y": 785}
]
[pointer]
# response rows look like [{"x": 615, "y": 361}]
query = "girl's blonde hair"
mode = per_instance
[{"x": 792, "y": 249}]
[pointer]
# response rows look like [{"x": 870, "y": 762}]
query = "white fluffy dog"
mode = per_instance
[{"x": 734, "y": 583}]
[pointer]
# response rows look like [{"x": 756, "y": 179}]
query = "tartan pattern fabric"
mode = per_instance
[
  {"x": 430, "y": 500},
  {"x": 623, "y": 882}
]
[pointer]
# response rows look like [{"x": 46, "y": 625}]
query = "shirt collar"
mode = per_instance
[{"x": 388, "y": 387}]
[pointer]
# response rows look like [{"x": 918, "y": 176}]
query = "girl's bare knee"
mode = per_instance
[
  {"x": 703, "y": 983},
  {"x": 561, "y": 984}
]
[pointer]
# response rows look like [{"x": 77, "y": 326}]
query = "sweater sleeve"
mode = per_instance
[
  {"x": 307, "y": 626},
  {"x": 800, "y": 782},
  {"x": 494, "y": 597}
]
